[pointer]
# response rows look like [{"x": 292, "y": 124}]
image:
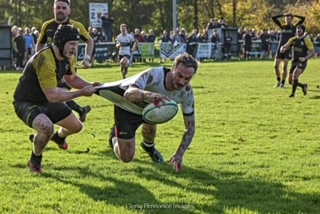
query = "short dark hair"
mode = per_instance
[
  {"x": 66, "y": 1},
  {"x": 288, "y": 14}
]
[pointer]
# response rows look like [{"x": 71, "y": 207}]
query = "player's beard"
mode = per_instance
[
  {"x": 175, "y": 86},
  {"x": 61, "y": 17},
  {"x": 300, "y": 33}
]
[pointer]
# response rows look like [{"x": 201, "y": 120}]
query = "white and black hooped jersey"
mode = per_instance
[
  {"x": 126, "y": 43},
  {"x": 152, "y": 80}
]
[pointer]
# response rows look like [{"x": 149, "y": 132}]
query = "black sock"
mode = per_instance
[
  {"x": 148, "y": 146},
  {"x": 283, "y": 81},
  {"x": 300, "y": 85},
  {"x": 74, "y": 106},
  {"x": 278, "y": 79},
  {"x": 56, "y": 138},
  {"x": 35, "y": 158},
  {"x": 294, "y": 86}
]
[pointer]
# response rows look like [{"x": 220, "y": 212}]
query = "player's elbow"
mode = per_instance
[
  {"x": 53, "y": 99},
  {"x": 129, "y": 95}
]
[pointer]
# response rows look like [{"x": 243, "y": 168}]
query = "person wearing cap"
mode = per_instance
[
  {"x": 288, "y": 30},
  {"x": 61, "y": 11},
  {"x": 40, "y": 103},
  {"x": 302, "y": 50}
]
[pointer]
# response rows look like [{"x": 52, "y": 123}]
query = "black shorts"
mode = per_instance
[
  {"x": 28, "y": 111},
  {"x": 296, "y": 64},
  {"x": 247, "y": 48},
  {"x": 285, "y": 55},
  {"x": 127, "y": 123},
  {"x": 121, "y": 56}
]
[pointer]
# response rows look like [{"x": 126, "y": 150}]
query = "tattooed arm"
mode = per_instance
[{"x": 176, "y": 159}]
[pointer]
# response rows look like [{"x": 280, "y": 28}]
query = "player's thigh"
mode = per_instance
[
  {"x": 28, "y": 111},
  {"x": 277, "y": 62},
  {"x": 285, "y": 62},
  {"x": 299, "y": 69},
  {"x": 126, "y": 123},
  {"x": 71, "y": 123},
  {"x": 124, "y": 60}
]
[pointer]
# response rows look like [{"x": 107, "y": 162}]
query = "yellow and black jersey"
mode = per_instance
[
  {"x": 300, "y": 47},
  {"x": 50, "y": 27},
  {"x": 43, "y": 71}
]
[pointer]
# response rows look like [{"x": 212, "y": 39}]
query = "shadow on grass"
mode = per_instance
[
  {"x": 230, "y": 190},
  {"x": 316, "y": 97}
]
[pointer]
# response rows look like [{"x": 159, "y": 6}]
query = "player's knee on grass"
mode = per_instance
[{"x": 126, "y": 150}]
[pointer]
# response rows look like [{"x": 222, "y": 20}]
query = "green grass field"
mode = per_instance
[{"x": 255, "y": 151}]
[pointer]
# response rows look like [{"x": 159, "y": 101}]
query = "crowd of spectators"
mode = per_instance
[
  {"x": 23, "y": 43},
  {"x": 263, "y": 42}
]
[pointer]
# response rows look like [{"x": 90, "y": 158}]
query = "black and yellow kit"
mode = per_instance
[
  {"x": 42, "y": 71},
  {"x": 49, "y": 28},
  {"x": 300, "y": 46}
]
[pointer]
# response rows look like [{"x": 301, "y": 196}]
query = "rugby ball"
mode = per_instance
[{"x": 161, "y": 113}]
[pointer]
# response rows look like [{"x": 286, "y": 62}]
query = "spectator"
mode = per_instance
[
  {"x": 107, "y": 23},
  {"x": 227, "y": 47},
  {"x": 192, "y": 39},
  {"x": 137, "y": 35},
  {"x": 205, "y": 36},
  {"x": 213, "y": 24},
  {"x": 20, "y": 48},
  {"x": 183, "y": 35},
  {"x": 223, "y": 24},
  {"x": 143, "y": 34},
  {"x": 247, "y": 44},
  {"x": 265, "y": 38},
  {"x": 14, "y": 32},
  {"x": 176, "y": 38},
  {"x": 165, "y": 37},
  {"x": 317, "y": 44},
  {"x": 215, "y": 39},
  {"x": 151, "y": 39},
  {"x": 97, "y": 38},
  {"x": 33, "y": 33},
  {"x": 140, "y": 39},
  {"x": 29, "y": 39}
]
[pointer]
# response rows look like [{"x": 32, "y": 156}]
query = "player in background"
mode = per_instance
[
  {"x": 288, "y": 31},
  {"x": 61, "y": 11},
  {"x": 132, "y": 94},
  {"x": 303, "y": 49},
  {"x": 126, "y": 44}
]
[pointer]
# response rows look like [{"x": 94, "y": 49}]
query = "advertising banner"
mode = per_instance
[
  {"x": 167, "y": 50},
  {"x": 94, "y": 9}
]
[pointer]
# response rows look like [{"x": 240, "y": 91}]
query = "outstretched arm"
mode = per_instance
[
  {"x": 276, "y": 20},
  {"x": 176, "y": 159},
  {"x": 287, "y": 46},
  {"x": 301, "y": 19}
]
